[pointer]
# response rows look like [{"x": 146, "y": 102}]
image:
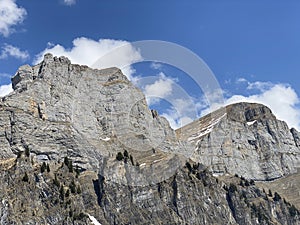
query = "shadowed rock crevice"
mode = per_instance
[
  {"x": 296, "y": 136},
  {"x": 97, "y": 189}
]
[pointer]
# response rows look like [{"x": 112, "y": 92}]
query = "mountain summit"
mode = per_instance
[
  {"x": 80, "y": 144},
  {"x": 59, "y": 109},
  {"x": 244, "y": 139}
]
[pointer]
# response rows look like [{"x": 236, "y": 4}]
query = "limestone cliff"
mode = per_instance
[{"x": 59, "y": 109}]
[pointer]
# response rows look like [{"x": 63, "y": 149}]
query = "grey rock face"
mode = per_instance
[
  {"x": 244, "y": 139},
  {"x": 59, "y": 109}
]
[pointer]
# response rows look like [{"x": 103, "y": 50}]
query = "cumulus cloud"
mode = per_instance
[
  {"x": 182, "y": 109},
  {"x": 282, "y": 99},
  {"x": 69, "y": 2},
  {"x": 99, "y": 54},
  {"x": 10, "y": 15},
  {"x": 10, "y": 50},
  {"x": 5, "y": 89},
  {"x": 159, "y": 89}
]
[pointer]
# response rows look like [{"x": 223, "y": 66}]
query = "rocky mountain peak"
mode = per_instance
[
  {"x": 248, "y": 112},
  {"x": 27, "y": 74},
  {"x": 244, "y": 139},
  {"x": 60, "y": 109}
]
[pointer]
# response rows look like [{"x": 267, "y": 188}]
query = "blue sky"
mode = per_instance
[{"x": 252, "y": 47}]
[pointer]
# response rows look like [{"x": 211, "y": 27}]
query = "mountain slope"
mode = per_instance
[
  {"x": 191, "y": 196},
  {"x": 288, "y": 187}
]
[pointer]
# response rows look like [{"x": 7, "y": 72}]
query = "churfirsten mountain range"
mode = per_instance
[{"x": 80, "y": 144}]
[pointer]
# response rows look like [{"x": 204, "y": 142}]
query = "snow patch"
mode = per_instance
[
  {"x": 207, "y": 129},
  {"x": 251, "y": 123},
  {"x": 93, "y": 219},
  {"x": 202, "y": 133},
  {"x": 218, "y": 174},
  {"x": 105, "y": 139},
  {"x": 155, "y": 161},
  {"x": 143, "y": 164}
]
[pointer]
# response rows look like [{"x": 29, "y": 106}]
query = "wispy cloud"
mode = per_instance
[
  {"x": 4, "y": 76},
  {"x": 99, "y": 54},
  {"x": 12, "y": 51},
  {"x": 10, "y": 15},
  {"x": 69, "y": 2},
  {"x": 257, "y": 85},
  {"x": 156, "y": 66}
]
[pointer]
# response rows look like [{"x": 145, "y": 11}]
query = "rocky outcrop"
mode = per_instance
[{"x": 244, "y": 139}]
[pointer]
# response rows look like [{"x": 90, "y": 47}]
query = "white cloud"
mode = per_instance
[
  {"x": 99, "y": 54},
  {"x": 9, "y": 50},
  {"x": 183, "y": 111},
  {"x": 5, "y": 89},
  {"x": 241, "y": 80},
  {"x": 10, "y": 15},
  {"x": 176, "y": 121},
  {"x": 282, "y": 99},
  {"x": 161, "y": 88},
  {"x": 257, "y": 85},
  {"x": 69, "y": 2},
  {"x": 182, "y": 108}
]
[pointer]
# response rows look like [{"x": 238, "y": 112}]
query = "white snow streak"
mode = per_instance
[
  {"x": 251, "y": 123},
  {"x": 93, "y": 219},
  {"x": 105, "y": 139},
  {"x": 207, "y": 129}
]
